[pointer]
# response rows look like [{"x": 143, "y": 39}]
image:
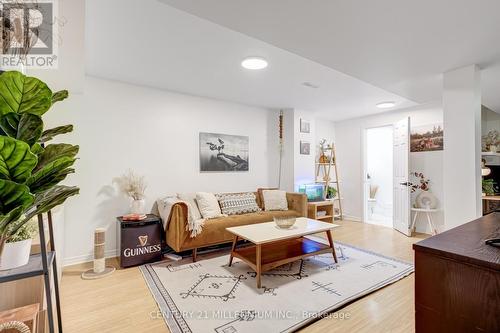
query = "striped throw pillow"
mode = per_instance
[{"x": 238, "y": 203}]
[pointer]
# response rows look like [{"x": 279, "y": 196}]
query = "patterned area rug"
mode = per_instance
[{"x": 209, "y": 296}]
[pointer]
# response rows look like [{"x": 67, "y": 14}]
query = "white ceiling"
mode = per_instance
[
  {"x": 402, "y": 46},
  {"x": 149, "y": 43}
]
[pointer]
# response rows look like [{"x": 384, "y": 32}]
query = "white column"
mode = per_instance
[{"x": 462, "y": 145}]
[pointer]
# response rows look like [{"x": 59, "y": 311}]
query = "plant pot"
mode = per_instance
[
  {"x": 15, "y": 254},
  {"x": 138, "y": 206}
]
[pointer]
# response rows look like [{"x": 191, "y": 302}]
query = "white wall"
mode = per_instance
[
  {"x": 348, "y": 139},
  {"x": 120, "y": 126}
]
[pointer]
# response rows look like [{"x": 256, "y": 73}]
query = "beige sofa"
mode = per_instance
[{"x": 214, "y": 230}]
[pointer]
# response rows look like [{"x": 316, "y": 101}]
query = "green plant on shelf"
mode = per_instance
[
  {"x": 27, "y": 231},
  {"x": 31, "y": 170},
  {"x": 331, "y": 192},
  {"x": 488, "y": 186}
]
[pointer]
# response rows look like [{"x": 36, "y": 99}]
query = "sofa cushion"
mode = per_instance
[
  {"x": 260, "y": 199},
  {"x": 208, "y": 205},
  {"x": 237, "y": 203},
  {"x": 274, "y": 200}
]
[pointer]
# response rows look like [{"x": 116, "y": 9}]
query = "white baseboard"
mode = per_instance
[
  {"x": 87, "y": 258},
  {"x": 352, "y": 218}
]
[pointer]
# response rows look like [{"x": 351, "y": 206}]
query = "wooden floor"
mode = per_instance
[{"x": 123, "y": 303}]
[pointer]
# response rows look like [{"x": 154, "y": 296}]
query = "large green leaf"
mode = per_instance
[
  {"x": 37, "y": 149},
  {"x": 54, "y": 152},
  {"x": 59, "y": 96},
  {"x": 53, "y": 197},
  {"x": 13, "y": 195},
  {"x": 51, "y": 174},
  {"x": 26, "y": 127},
  {"x": 23, "y": 94},
  {"x": 16, "y": 160},
  {"x": 45, "y": 201},
  {"x": 49, "y": 134}
]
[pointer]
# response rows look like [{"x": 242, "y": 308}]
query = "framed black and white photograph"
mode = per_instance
[
  {"x": 305, "y": 126},
  {"x": 305, "y": 148},
  {"x": 223, "y": 152}
]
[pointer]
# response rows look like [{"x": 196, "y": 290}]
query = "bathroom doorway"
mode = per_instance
[{"x": 378, "y": 176}]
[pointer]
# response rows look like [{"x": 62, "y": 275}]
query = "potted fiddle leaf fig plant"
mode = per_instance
[{"x": 31, "y": 168}]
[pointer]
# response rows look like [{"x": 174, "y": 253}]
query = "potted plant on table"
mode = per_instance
[
  {"x": 133, "y": 186},
  {"x": 31, "y": 169},
  {"x": 425, "y": 199}
]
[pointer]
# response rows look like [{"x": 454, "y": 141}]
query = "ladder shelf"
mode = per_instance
[{"x": 325, "y": 166}]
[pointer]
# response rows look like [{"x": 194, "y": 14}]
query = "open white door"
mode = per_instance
[{"x": 401, "y": 154}]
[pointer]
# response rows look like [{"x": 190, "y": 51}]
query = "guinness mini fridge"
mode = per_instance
[{"x": 139, "y": 242}]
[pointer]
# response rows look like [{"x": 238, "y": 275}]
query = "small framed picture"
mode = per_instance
[
  {"x": 305, "y": 126},
  {"x": 305, "y": 148}
]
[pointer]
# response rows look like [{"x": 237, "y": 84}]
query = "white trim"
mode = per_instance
[
  {"x": 87, "y": 258},
  {"x": 352, "y": 218}
]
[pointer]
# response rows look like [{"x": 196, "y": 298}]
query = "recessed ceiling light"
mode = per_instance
[
  {"x": 386, "y": 105},
  {"x": 254, "y": 63}
]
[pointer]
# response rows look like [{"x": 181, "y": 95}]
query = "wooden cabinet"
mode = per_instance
[{"x": 457, "y": 279}]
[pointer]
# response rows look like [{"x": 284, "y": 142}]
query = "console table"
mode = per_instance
[{"x": 457, "y": 279}]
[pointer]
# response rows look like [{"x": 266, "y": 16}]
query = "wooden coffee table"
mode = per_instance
[{"x": 274, "y": 247}]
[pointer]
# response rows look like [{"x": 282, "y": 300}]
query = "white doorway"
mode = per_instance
[{"x": 378, "y": 175}]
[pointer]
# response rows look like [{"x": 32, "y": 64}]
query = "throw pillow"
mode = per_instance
[
  {"x": 190, "y": 198},
  {"x": 274, "y": 200},
  {"x": 238, "y": 203},
  {"x": 260, "y": 198},
  {"x": 208, "y": 205}
]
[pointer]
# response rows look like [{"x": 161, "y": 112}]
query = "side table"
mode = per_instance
[
  {"x": 428, "y": 213},
  {"x": 139, "y": 242}
]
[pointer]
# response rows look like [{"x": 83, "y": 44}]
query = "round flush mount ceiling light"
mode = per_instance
[
  {"x": 386, "y": 105},
  {"x": 254, "y": 63}
]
